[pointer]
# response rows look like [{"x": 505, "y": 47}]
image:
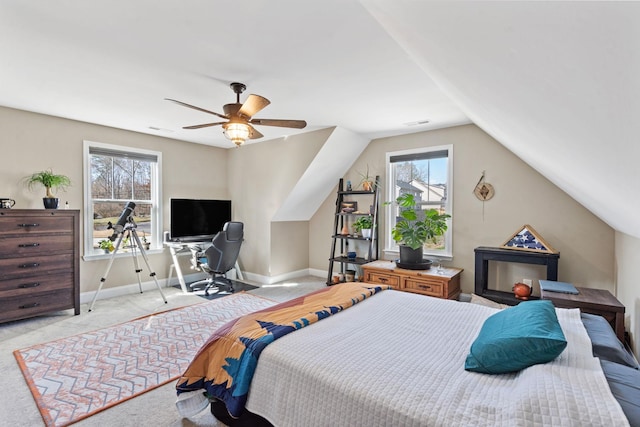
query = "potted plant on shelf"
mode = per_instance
[
  {"x": 364, "y": 224},
  {"x": 106, "y": 245},
  {"x": 145, "y": 242},
  {"x": 416, "y": 228},
  {"x": 367, "y": 182},
  {"x": 49, "y": 180}
]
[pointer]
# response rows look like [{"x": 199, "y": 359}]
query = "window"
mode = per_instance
[
  {"x": 427, "y": 173},
  {"x": 114, "y": 176}
]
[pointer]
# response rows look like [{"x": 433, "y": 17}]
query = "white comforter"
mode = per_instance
[{"x": 397, "y": 359}]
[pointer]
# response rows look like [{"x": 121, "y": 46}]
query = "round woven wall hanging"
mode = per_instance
[{"x": 484, "y": 191}]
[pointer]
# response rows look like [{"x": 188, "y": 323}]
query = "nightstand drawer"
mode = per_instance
[
  {"x": 385, "y": 279},
  {"x": 424, "y": 286}
]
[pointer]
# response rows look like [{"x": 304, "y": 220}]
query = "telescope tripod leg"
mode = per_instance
[
  {"x": 146, "y": 261},
  {"x": 106, "y": 273},
  {"x": 134, "y": 254}
]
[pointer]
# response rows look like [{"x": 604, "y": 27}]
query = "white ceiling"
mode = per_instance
[
  {"x": 113, "y": 63},
  {"x": 555, "y": 82}
]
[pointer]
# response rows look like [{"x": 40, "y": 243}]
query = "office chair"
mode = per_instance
[{"x": 219, "y": 258}]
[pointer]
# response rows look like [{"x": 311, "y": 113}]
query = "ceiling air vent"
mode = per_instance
[{"x": 417, "y": 123}]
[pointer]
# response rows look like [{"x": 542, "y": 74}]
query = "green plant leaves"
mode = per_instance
[{"x": 413, "y": 230}]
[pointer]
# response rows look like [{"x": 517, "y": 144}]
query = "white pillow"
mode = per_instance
[{"x": 477, "y": 299}]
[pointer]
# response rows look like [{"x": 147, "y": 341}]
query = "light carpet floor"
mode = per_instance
[{"x": 154, "y": 408}]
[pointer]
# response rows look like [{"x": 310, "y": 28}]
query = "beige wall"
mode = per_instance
[
  {"x": 260, "y": 177},
  {"x": 289, "y": 247},
  {"x": 33, "y": 142},
  {"x": 522, "y": 197},
  {"x": 628, "y": 284}
]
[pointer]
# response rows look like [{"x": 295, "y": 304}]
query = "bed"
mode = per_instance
[{"x": 396, "y": 358}]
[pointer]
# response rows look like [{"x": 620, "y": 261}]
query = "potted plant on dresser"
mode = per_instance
[
  {"x": 414, "y": 229},
  {"x": 49, "y": 181}
]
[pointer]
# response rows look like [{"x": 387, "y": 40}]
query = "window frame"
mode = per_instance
[
  {"x": 156, "y": 198},
  {"x": 391, "y": 247}
]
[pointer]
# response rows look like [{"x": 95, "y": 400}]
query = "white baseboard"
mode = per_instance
[
  {"x": 318, "y": 273},
  {"x": 268, "y": 280},
  {"x": 87, "y": 297},
  {"x": 106, "y": 292}
]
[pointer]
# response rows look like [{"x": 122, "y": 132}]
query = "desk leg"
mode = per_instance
[
  {"x": 238, "y": 272},
  {"x": 176, "y": 265}
]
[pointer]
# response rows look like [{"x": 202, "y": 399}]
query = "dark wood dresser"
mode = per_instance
[
  {"x": 594, "y": 301},
  {"x": 39, "y": 262}
]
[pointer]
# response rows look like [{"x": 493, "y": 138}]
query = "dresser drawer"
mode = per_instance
[
  {"x": 34, "y": 266},
  {"x": 38, "y": 284},
  {"x": 35, "y": 244},
  {"x": 34, "y": 304},
  {"x": 33, "y": 224},
  {"x": 424, "y": 286},
  {"x": 385, "y": 279}
]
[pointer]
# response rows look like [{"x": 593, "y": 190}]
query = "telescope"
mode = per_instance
[
  {"x": 126, "y": 226},
  {"x": 125, "y": 217}
]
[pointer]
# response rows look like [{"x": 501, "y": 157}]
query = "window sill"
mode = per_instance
[{"x": 96, "y": 256}]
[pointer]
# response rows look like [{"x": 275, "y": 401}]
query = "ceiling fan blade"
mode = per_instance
[
  {"x": 206, "y": 125},
  {"x": 255, "y": 134},
  {"x": 197, "y": 108},
  {"x": 253, "y": 104},
  {"x": 298, "y": 124}
]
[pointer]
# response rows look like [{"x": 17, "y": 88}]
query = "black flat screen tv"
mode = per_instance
[{"x": 194, "y": 220}]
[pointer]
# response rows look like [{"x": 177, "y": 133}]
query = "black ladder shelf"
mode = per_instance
[{"x": 341, "y": 219}]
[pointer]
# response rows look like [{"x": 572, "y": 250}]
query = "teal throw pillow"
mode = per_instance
[{"x": 516, "y": 338}]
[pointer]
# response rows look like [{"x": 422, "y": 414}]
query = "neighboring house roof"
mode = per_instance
[
  {"x": 433, "y": 192},
  {"x": 407, "y": 187}
]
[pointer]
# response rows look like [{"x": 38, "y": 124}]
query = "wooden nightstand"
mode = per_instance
[
  {"x": 425, "y": 282},
  {"x": 594, "y": 301}
]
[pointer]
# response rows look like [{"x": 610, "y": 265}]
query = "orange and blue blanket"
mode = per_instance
[{"x": 225, "y": 364}]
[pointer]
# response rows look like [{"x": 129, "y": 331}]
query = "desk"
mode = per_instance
[
  {"x": 593, "y": 301},
  {"x": 485, "y": 254},
  {"x": 178, "y": 248}
]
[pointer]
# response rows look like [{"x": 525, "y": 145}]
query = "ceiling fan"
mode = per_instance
[{"x": 238, "y": 127}]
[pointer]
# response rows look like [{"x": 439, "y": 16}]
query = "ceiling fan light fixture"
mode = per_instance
[
  {"x": 237, "y": 132},
  {"x": 239, "y": 127}
]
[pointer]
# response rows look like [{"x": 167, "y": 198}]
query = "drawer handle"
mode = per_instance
[
  {"x": 28, "y": 225},
  {"x": 29, "y": 285},
  {"x": 30, "y": 265},
  {"x": 428, "y": 288},
  {"x": 383, "y": 279},
  {"x": 28, "y": 245},
  {"x": 32, "y": 305}
]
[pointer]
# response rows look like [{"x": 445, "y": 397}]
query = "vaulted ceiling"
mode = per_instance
[{"x": 555, "y": 82}]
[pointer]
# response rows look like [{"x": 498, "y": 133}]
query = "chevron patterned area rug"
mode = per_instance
[{"x": 75, "y": 377}]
